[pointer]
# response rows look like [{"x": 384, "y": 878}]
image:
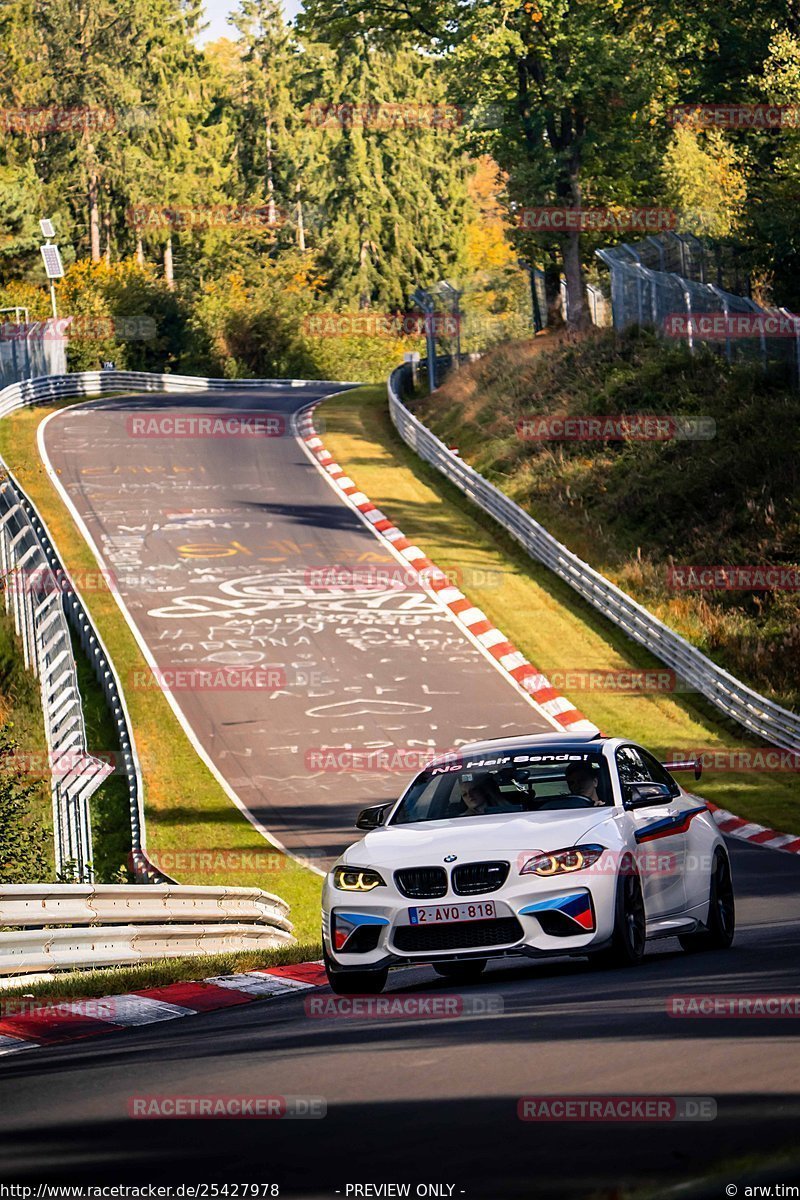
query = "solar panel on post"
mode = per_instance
[{"x": 52, "y": 261}]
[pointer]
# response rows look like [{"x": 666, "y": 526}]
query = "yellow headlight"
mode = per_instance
[
  {"x": 354, "y": 879},
  {"x": 562, "y": 862},
  {"x": 549, "y": 866}
]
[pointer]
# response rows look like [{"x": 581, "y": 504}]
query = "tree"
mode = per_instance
[
  {"x": 267, "y": 50},
  {"x": 551, "y": 73},
  {"x": 88, "y": 49},
  {"x": 705, "y": 178},
  {"x": 280, "y": 152},
  {"x": 19, "y": 240},
  {"x": 395, "y": 206},
  {"x": 176, "y": 166},
  {"x": 496, "y": 294},
  {"x": 771, "y": 226}
]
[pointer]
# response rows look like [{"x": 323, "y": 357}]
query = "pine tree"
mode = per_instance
[
  {"x": 395, "y": 207},
  {"x": 278, "y": 148},
  {"x": 19, "y": 235},
  {"x": 180, "y": 160},
  {"x": 90, "y": 49}
]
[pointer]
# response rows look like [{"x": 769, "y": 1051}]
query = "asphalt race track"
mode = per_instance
[
  {"x": 218, "y": 547},
  {"x": 435, "y": 1100},
  {"x": 409, "y": 1099}
]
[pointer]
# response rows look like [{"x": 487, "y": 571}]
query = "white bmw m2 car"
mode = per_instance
[{"x": 541, "y": 845}]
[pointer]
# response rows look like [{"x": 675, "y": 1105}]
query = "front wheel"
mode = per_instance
[
  {"x": 468, "y": 971},
  {"x": 721, "y": 923},
  {"x": 355, "y": 983},
  {"x": 630, "y": 928}
]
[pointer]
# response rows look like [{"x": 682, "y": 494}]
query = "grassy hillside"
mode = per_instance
[{"x": 634, "y": 509}]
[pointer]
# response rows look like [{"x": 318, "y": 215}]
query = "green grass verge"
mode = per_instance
[
  {"x": 116, "y": 981},
  {"x": 21, "y": 705},
  {"x": 109, "y": 807},
  {"x": 187, "y": 811},
  {"x": 544, "y": 618}
]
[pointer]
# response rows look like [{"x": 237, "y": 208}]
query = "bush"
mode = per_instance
[
  {"x": 23, "y": 842},
  {"x": 131, "y": 300},
  {"x": 264, "y": 329}
]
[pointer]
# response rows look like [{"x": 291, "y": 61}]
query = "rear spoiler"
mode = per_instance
[{"x": 692, "y": 764}]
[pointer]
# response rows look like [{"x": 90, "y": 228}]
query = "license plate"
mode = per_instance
[{"x": 438, "y": 914}]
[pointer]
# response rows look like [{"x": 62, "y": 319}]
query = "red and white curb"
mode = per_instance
[
  {"x": 560, "y": 711},
  {"x": 749, "y": 831},
  {"x": 36, "y": 1023}
]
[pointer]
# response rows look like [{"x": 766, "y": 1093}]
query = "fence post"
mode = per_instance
[
  {"x": 762, "y": 336},
  {"x": 615, "y": 270},
  {"x": 726, "y": 310},
  {"x": 639, "y": 291},
  {"x": 687, "y": 297},
  {"x": 659, "y": 245}
]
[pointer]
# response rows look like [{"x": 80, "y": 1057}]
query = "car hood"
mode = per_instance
[{"x": 473, "y": 838}]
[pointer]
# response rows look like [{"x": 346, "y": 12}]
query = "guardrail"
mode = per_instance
[
  {"x": 70, "y": 949},
  {"x": 34, "y": 595},
  {"x": 735, "y": 699},
  {"x": 48, "y": 651},
  {"x": 33, "y": 904},
  {"x": 114, "y": 925},
  {"x": 106, "y": 383},
  {"x": 26, "y": 546}
]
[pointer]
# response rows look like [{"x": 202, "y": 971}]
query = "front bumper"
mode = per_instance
[{"x": 532, "y": 917}]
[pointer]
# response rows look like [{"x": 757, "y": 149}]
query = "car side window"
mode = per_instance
[
  {"x": 658, "y": 773},
  {"x": 631, "y": 767},
  {"x": 638, "y": 766}
]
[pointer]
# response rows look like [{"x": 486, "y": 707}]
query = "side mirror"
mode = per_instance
[
  {"x": 372, "y": 817},
  {"x": 645, "y": 795}
]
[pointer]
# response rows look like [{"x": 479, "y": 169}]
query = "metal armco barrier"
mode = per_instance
[
  {"x": 119, "y": 925},
  {"x": 61, "y": 698},
  {"x": 40, "y": 621},
  {"x": 34, "y": 595},
  {"x": 34, "y": 904},
  {"x": 101, "y": 946},
  {"x": 732, "y": 697},
  {"x": 107, "y": 383}
]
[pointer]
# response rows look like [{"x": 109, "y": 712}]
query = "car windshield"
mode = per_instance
[{"x": 539, "y": 781}]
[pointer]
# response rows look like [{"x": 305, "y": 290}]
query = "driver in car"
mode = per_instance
[
  {"x": 582, "y": 781},
  {"x": 481, "y": 796}
]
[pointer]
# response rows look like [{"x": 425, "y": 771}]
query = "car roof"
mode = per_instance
[{"x": 558, "y": 741}]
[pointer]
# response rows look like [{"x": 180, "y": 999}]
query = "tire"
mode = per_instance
[
  {"x": 468, "y": 971},
  {"x": 721, "y": 923},
  {"x": 355, "y": 983},
  {"x": 629, "y": 936}
]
